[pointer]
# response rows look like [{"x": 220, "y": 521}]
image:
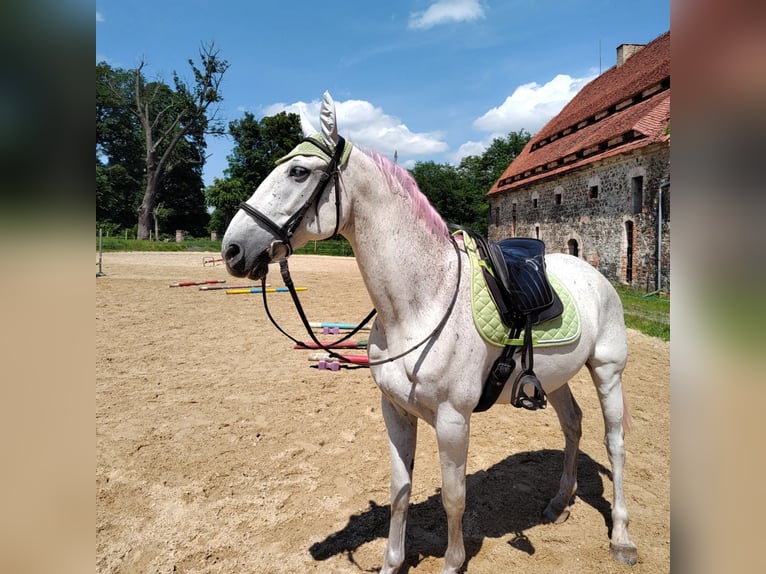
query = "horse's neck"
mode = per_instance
[{"x": 407, "y": 266}]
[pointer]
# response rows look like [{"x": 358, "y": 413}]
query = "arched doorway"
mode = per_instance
[{"x": 573, "y": 247}]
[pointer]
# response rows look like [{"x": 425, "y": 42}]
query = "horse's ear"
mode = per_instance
[
  {"x": 327, "y": 119},
  {"x": 306, "y": 126}
]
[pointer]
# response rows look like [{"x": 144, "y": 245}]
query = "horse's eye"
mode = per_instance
[{"x": 298, "y": 171}]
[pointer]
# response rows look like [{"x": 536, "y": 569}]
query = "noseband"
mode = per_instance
[{"x": 285, "y": 233}]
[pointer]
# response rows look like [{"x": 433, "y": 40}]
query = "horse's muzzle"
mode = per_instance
[{"x": 237, "y": 265}]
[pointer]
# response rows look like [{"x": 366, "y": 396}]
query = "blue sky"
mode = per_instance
[{"x": 432, "y": 79}]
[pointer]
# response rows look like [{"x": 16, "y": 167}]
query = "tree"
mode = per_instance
[
  {"x": 119, "y": 149},
  {"x": 459, "y": 194},
  {"x": 259, "y": 143},
  {"x": 181, "y": 192},
  {"x": 487, "y": 168},
  {"x": 225, "y": 195},
  {"x": 167, "y": 117}
]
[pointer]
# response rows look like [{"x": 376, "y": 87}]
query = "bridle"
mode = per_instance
[{"x": 284, "y": 235}]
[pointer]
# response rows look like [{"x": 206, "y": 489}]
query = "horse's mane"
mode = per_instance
[{"x": 400, "y": 181}]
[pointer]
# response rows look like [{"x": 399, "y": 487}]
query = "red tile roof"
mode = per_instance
[{"x": 625, "y": 108}]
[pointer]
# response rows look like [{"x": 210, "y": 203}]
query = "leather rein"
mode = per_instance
[{"x": 284, "y": 235}]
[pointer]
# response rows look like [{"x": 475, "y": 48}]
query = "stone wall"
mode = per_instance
[{"x": 605, "y": 213}]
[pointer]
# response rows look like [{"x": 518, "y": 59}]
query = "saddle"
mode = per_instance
[{"x": 514, "y": 270}]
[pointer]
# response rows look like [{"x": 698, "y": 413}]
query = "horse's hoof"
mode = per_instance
[
  {"x": 625, "y": 554},
  {"x": 551, "y": 516}
]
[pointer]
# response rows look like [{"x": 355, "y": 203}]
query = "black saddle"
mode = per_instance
[
  {"x": 518, "y": 264},
  {"x": 515, "y": 274}
]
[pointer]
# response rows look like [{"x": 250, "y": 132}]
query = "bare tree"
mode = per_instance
[{"x": 168, "y": 116}]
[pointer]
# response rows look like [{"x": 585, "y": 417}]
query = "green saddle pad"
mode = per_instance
[{"x": 562, "y": 330}]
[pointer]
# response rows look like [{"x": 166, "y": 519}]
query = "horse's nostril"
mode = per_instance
[
  {"x": 235, "y": 259},
  {"x": 232, "y": 252}
]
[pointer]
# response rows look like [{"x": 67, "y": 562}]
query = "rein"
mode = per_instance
[
  {"x": 284, "y": 235},
  {"x": 285, "y": 271}
]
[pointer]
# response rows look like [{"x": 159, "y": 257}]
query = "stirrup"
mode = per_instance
[{"x": 528, "y": 381}]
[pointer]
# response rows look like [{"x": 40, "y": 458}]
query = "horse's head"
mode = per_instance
[{"x": 294, "y": 204}]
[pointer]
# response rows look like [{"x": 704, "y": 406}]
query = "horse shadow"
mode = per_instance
[{"x": 508, "y": 498}]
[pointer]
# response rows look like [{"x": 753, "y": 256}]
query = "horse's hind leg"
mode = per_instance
[
  {"x": 402, "y": 438},
  {"x": 570, "y": 418},
  {"x": 607, "y": 375}
]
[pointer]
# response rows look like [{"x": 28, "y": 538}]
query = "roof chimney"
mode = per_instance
[{"x": 625, "y": 51}]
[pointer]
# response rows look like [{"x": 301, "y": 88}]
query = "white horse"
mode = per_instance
[{"x": 426, "y": 356}]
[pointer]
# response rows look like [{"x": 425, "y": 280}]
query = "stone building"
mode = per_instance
[{"x": 595, "y": 181}]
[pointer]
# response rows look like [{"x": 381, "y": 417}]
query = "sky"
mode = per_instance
[{"x": 432, "y": 80}]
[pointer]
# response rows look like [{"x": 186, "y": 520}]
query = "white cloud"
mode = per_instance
[
  {"x": 443, "y": 11},
  {"x": 531, "y": 105},
  {"x": 470, "y": 148},
  {"x": 99, "y": 17},
  {"x": 370, "y": 127}
]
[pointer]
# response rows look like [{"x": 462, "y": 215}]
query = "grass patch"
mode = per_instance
[
  {"x": 339, "y": 247},
  {"x": 650, "y": 315},
  {"x": 189, "y": 244}
]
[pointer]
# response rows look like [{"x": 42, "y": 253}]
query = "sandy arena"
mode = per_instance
[{"x": 221, "y": 449}]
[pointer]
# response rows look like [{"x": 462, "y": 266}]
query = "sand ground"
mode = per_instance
[{"x": 220, "y": 448}]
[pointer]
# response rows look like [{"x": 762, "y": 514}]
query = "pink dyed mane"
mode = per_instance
[{"x": 401, "y": 182}]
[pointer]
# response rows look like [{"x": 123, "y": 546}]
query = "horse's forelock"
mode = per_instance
[{"x": 401, "y": 181}]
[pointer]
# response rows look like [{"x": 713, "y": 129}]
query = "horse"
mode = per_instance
[{"x": 425, "y": 354}]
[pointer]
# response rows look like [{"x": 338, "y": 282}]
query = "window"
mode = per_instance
[
  {"x": 573, "y": 248},
  {"x": 534, "y": 202},
  {"x": 637, "y": 191},
  {"x": 593, "y": 192},
  {"x": 557, "y": 198},
  {"x": 537, "y": 232}
]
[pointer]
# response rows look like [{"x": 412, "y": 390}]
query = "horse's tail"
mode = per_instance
[{"x": 627, "y": 421}]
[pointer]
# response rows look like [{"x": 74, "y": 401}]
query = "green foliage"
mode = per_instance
[
  {"x": 225, "y": 195},
  {"x": 459, "y": 194},
  {"x": 258, "y": 144}
]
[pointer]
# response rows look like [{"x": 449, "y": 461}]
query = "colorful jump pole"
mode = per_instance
[
  {"x": 323, "y": 325},
  {"x": 355, "y": 359},
  {"x": 259, "y": 290},
  {"x": 190, "y": 283},
  {"x": 219, "y": 287}
]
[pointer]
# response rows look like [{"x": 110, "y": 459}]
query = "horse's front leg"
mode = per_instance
[
  {"x": 452, "y": 431},
  {"x": 402, "y": 437}
]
